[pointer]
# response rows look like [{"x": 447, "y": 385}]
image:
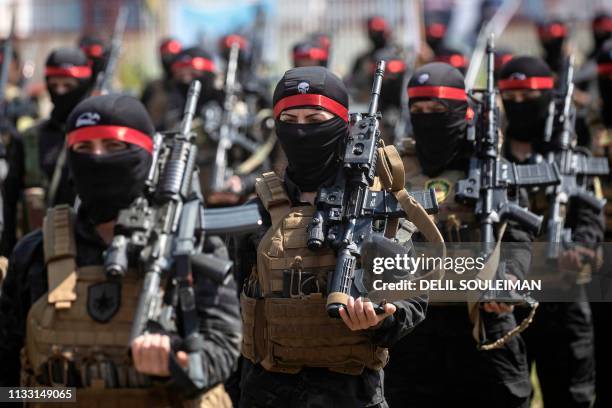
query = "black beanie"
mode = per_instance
[
  {"x": 120, "y": 111},
  {"x": 314, "y": 87},
  {"x": 68, "y": 62},
  {"x": 109, "y": 182}
]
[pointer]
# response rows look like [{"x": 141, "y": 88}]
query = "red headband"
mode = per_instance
[
  {"x": 378, "y": 24},
  {"x": 170, "y": 47},
  {"x": 94, "y": 50},
  {"x": 456, "y": 60},
  {"x": 604, "y": 68},
  {"x": 440, "y": 92},
  {"x": 235, "y": 38},
  {"x": 436, "y": 30},
  {"x": 395, "y": 66},
  {"x": 553, "y": 31},
  {"x": 312, "y": 53},
  {"x": 198, "y": 63},
  {"x": 120, "y": 133},
  {"x": 71, "y": 72},
  {"x": 605, "y": 24},
  {"x": 311, "y": 100},
  {"x": 527, "y": 83}
]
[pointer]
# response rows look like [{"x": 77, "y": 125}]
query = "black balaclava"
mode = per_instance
[
  {"x": 437, "y": 135},
  {"x": 604, "y": 69},
  {"x": 96, "y": 51},
  {"x": 527, "y": 119},
  {"x": 168, "y": 50},
  {"x": 434, "y": 34},
  {"x": 602, "y": 30},
  {"x": 110, "y": 182},
  {"x": 201, "y": 61},
  {"x": 378, "y": 32},
  {"x": 313, "y": 150},
  {"x": 453, "y": 57},
  {"x": 309, "y": 50},
  {"x": 552, "y": 37},
  {"x": 71, "y": 63},
  {"x": 393, "y": 82}
]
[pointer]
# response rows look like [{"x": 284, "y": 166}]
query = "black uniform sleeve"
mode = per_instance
[
  {"x": 518, "y": 254},
  {"x": 15, "y": 304},
  {"x": 409, "y": 313},
  {"x": 11, "y": 191},
  {"x": 220, "y": 323},
  {"x": 587, "y": 224}
]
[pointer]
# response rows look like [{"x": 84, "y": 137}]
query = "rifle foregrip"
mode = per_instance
[
  {"x": 589, "y": 199},
  {"x": 212, "y": 267},
  {"x": 341, "y": 281},
  {"x": 524, "y": 217}
]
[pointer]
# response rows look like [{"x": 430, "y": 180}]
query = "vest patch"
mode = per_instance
[
  {"x": 442, "y": 187},
  {"x": 103, "y": 300}
]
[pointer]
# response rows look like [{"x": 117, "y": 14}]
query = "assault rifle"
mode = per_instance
[
  {"x": 490, "y": 176},
  {"x": 347, "y": 210},
  {"x": 163, "y": 234},
  {"x": 575, "y": 168},
  {"x": 104, "y": 80}
]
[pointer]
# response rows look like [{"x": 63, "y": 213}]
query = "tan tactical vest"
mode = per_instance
[
  {"x": 285, "y": 334},
  {"x": 452, "y": 216},
  {"x": 63, "y": 341}
]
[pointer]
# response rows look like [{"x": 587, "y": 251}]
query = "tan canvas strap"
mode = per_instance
[
  {"x": 271, "y": 192},
  {"x": 60, "y": 253},
  {"x": 390, "y": 168},
  {"x": 488, "y": 273}
]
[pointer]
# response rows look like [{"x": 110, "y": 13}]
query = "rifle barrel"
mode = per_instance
[
  {"x": 190, "y": 106},
  {"x": 378, "y": 76}
]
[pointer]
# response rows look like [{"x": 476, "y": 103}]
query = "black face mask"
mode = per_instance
[
  {"x": 605, "y": 90},
  {"x": 65, "y": 103},
  {"x": 206, "y": 92},
  {"x": 108, "y": 183},
  {"x": 312, "y": 150},
  {"x": 554, "y": 52},
  {"x": 600, "y": 39},
  {"x": 378, "y": 38},
  {"x": 527, "y": 119},
  {"x": 391, "y": 92},
  {"x": 437, "y": 138}
]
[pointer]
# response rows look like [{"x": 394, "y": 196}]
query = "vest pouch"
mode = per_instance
[
  {"x": 301, "y": 334},
  {"x": 253, "y": 327}
]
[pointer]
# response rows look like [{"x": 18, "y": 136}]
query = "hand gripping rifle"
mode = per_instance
[
  {"x": 347, "y": 210},
  {"x": 575, "y": 169},
  {"x": 163, "y": 233}
]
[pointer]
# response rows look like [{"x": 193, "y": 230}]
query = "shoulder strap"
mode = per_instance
[
  {"x": 60, "y": 256},
  {"x": 272, "y": 194}
]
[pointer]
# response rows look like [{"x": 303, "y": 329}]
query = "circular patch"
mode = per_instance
[
  {"x": 441, "y": 186},
  {"x": 423, "y": 78}
]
